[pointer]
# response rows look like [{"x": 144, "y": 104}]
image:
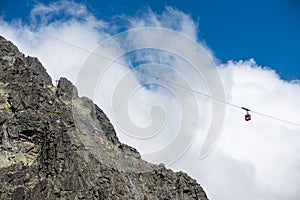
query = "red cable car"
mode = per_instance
[{"x": 247, "y": 116}]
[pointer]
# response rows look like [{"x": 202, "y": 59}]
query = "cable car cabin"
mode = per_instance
[{"x": 247, "y": 117}]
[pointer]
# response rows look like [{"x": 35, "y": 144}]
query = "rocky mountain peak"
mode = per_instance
[{"x": 56, "y": 145}]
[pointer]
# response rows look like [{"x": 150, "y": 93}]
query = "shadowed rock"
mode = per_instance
[{"x": 55, "y": 145}]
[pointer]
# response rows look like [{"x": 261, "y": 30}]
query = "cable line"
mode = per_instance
[{"x": 169, "y": 82}]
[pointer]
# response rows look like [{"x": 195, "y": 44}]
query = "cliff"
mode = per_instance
[{"x": 44, "y": 154}]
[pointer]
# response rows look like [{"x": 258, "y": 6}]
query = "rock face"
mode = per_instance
[{"x": 55, "y": 145}]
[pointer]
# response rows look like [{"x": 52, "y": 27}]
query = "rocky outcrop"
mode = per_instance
[{"x": 55, "y": 145}]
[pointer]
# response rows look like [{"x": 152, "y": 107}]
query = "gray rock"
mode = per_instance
[{"x": 55, "y": 145}]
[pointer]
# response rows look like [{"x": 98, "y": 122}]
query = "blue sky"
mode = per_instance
[{"x": 267, "y": 31}]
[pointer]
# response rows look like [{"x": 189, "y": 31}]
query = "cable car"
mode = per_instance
[{"x": 247, "y": 116}]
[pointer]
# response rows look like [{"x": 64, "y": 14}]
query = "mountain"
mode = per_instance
[{"x": 56, "y": 145}]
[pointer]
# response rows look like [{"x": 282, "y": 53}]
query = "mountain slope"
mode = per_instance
[{"x": 55, "y": 145}]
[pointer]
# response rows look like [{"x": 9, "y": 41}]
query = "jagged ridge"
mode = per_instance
[{"x": 55, "y": 145}]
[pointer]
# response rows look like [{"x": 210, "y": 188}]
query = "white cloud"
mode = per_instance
[
  {"x": 80, "y": 29},
  {"x": 170, "y": 18},
  {"x": 253, "y": 160}
]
